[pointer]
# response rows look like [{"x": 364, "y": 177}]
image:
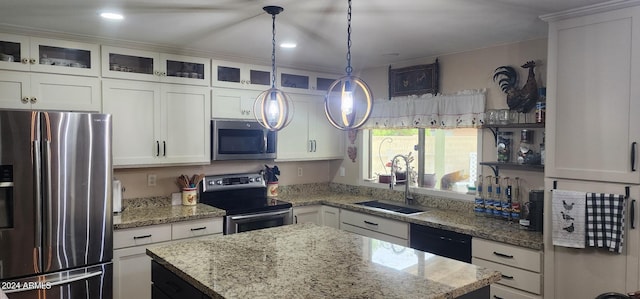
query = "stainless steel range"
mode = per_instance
[{"x": 243, "y": 197}]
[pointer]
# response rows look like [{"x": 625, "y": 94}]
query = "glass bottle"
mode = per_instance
[
  {"x": 497, "y": 203},
  {"x": 488, "y": 200},
  {"x": 506, "y": 199},
  {"x": 525, "y": 152},
  {"x": 504, "y": 144},
  {"x": 479, "y": 201}
]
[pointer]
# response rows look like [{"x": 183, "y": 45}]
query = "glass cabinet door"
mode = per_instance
[
  {"x": 185, "y": 69},
  {"x": 295, "y": 81},
  {"x": 64, "y": 57},
  {"x": 14, "y": 52},
  {"x": 130, "y": 64},
  {"x": 240, "y": 75}
]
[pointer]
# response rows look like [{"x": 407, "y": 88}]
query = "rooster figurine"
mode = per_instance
[{"x": 521, "y": 100}]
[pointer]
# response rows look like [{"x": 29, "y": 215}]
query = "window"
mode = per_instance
[{"x": 443, "y": 159}]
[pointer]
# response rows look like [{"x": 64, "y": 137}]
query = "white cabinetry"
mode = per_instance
[
  {"x": 151, "y": 66},
  {"x": 157, "y": 123},
  {"x": 229, "y": 74},
  {"x": 233, "y": 103},
  {"x": 520, "y": 268},
  {"x": 384, "y": 229},
  {"x": 330, "y": 216},
  {"x": 22, "y": 90},
  {"x": 23, "y": 53},
  {"x": 132, "y": 266},
  {"x": 309, "y": 136},
  {"x": 593, "y": 95},
  {"x": 306, "y": 214},
  {"x": 298, "y": 81}
]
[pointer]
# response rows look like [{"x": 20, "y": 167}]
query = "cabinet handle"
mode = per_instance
[
  {"x": 25, "y": 60},
  {"x": 507, "y": 277},
  {"x": 25, "y": 100},
  {"x": 164, "y": 148},
  {"x": 503, "y": 255},
  {"x": 34, "y": 100},
  {"x": 295, "y": 218},
  {"x": 310, "y": 146},
  {"x": 633, "y": 155},
  {"x": 198, "y": 228},
  {"x": 157, "y": 148},
  {"x": 633, "y": 214},
  {"x": 32, "y": 61},
  {"x": 496, "y": 297},
  {"x": 141, "y": 237},
  {"x": 370, "y": 223}
]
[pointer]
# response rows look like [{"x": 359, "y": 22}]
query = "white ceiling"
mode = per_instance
[{"x": 384, "y": 31}]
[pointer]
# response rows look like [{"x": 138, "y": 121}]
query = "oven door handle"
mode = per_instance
[{"x": 260, "y": 215}]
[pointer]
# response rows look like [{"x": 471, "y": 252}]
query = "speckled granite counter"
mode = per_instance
[
  {"x": 445, "y": 217},
  {"x": 149, "y": 215},
  {"x": 309, "y": 261}
]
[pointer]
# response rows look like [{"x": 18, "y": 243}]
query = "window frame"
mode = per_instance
[{"x": 366, "y": 181}]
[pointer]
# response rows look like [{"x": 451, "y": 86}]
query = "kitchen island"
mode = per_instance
[{"x": 310, "y": 261}]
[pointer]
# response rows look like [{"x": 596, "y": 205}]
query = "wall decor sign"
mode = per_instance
[{"x": 414, "y": 80}]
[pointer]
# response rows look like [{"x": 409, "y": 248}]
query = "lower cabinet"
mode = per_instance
[
  {"x": 384, "y": 229},
  {"x": 520, "y": 267},
  {"x": 331, "y": 216},
  {"x": 132, "y": 266},
  {"x": 166, "y": 285},
  {"x": 306, "y": 214}
]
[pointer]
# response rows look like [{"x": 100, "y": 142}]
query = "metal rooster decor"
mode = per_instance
[{"x": 521, "y": 100}]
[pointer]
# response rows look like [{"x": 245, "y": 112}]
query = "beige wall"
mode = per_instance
[
  {"x": 134, "y": 180},
  {"x": 470, "y": 70}
]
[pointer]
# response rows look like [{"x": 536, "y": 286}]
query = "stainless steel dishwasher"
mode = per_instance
[{"x": 440, "y": 242}]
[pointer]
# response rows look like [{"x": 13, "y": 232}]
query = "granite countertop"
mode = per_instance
[
  {"x": 443, "y": 217},
  {"x": 310, "y": 261},
  {"x": 136, "y": 216}
]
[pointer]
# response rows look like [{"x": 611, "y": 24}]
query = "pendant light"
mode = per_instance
[
  {"x": 349, "y": 101},
  {"x": 273, "y": 109}
]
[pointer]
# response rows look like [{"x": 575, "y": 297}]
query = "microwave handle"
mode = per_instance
[{"x": 264, "y": 141}]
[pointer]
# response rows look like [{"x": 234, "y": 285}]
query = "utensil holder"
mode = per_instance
[
  {"x": 189, "y": 196},
  {"x": 272, "y": 189}
]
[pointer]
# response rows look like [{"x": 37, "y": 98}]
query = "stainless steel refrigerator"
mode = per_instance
[{"x": 55, "y": 205}]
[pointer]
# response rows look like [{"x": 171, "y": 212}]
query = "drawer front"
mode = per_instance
[
  {"x": 196, "y": 228},
  {"x": 141, "y": 236},
  {"x": 510, "y": 255},
  {"x": 502, "y": 292},
  {"x": 376, "y": 224},
  {"x": 514, "y": 277},
  {"x": 372, "y": 234}
]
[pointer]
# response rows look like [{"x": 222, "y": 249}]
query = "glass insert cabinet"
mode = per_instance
[{"x": 25, "y": 53}]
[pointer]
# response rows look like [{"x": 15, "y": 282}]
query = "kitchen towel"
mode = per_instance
[
  {"x": 568, "y": 218},
  {"x": 605, "y": 221}
]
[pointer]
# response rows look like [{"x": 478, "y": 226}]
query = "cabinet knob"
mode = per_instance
[
  {"x": 164, "y": 74},
  {"x": 25, "y": 100},
  {"x": 34, "y": 100},
  {"x": 32, "y": 61},
  {"x": 25, "y": 60}
]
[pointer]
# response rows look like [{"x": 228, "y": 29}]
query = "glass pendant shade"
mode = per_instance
[
  {"x": 348, "y": 103},
  {"x": 273, "y": 109}
]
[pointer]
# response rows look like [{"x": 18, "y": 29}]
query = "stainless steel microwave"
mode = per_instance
[{"x": 241, "y": 140}]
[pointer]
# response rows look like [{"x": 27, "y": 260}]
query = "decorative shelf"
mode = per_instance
[
  {"x": 495, "y": 166},
  {"x": 496, "y": 127}
]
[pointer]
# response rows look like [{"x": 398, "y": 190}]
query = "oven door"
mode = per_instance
[{"x": 247, "y": 222}]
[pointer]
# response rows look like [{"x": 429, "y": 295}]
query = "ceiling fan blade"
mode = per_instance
[{"x": 208, "y": 31}]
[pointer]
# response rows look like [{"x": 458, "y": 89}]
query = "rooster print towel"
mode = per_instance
[{"x": 568, "y": 210}]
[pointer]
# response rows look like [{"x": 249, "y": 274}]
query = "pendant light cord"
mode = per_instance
[
  {"x": 349, "y": 68},
  {"x": 273, "y": 52}
]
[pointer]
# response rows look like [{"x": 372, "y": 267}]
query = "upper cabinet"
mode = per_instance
[
  {"x": 239, "y": 75},
  {"x": 151, "y": 66},
  {"x": 309, "y": 136},
  {"x": 23, "y": 53},
  {"x": 297, "y": 81},
  {"x": 593, "y": 98},
  {"x": 233, "y": 103}
]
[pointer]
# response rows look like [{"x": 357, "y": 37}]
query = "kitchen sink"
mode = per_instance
[{"x": 392, "y": 207}]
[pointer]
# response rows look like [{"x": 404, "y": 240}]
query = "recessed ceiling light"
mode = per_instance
[
  {"x": 112, "y": 16},
  {"x": 288, "y": 45}
]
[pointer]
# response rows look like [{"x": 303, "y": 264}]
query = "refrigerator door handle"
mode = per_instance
[
  {"x": 47, "y": 194},
  {"x": 633, "y": 214},
  {"x": 38, "y": 198},
  {"x": 54, "y": 283}
]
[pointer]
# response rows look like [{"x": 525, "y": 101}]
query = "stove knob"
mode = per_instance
[
  {"x": 258, "y": 179},
  {"x": 219, "y": 182},
  {"x": 251, "y": 180},
  {"x": 210, "y": 183}
]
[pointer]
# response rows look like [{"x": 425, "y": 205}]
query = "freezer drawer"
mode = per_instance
[{"x": 93, "y": 282}]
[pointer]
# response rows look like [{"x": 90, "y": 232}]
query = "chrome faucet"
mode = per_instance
[{"x": 408, "y": 199}]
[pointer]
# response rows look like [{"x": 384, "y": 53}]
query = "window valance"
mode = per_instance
[{"x": 464, "y": 109}]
